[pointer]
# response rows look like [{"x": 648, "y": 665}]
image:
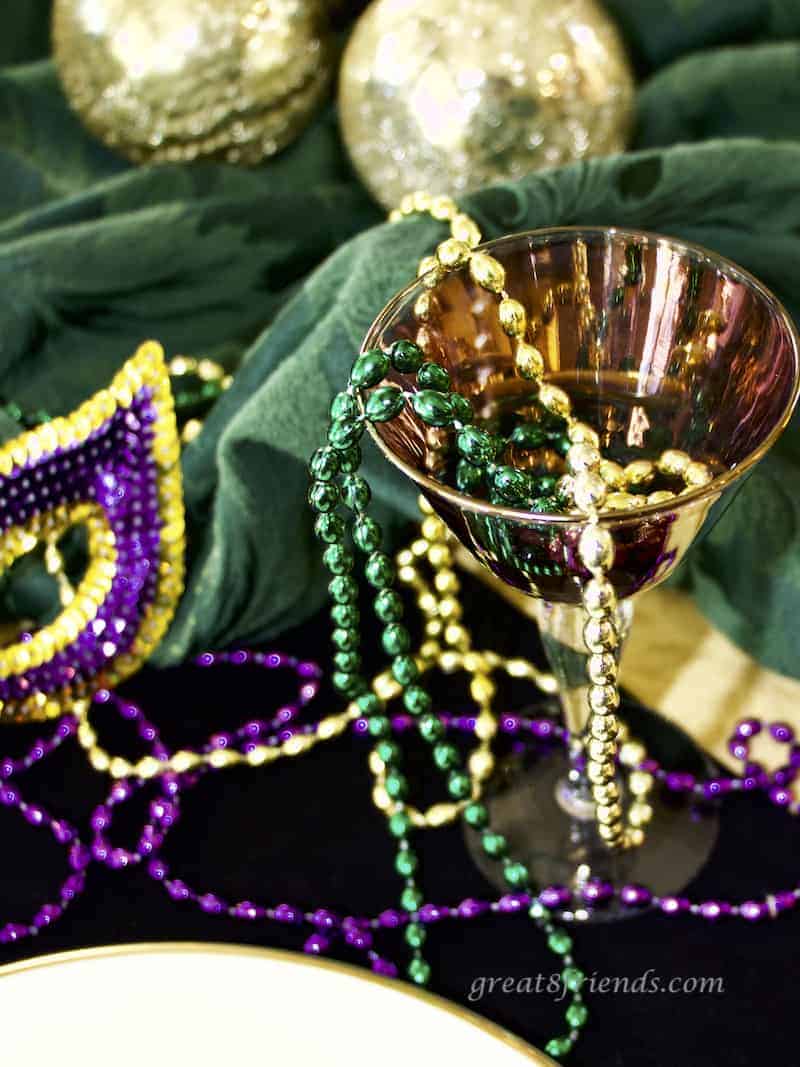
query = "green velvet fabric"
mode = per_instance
[{"x": 288, "y": 263}]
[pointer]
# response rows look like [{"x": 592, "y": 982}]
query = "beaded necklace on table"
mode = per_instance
[{"x": 353, "y": 931}]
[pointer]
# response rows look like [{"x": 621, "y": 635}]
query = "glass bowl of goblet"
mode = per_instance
[{"x": 660, "y": 346}]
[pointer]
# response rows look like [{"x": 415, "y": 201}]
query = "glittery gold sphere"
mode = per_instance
[
  {"x": 180, "y": 79},
  {"x": 448, "y": 95}
]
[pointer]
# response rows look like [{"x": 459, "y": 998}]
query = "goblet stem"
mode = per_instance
[
  {"x": 561, "y": 628},
  {"x": 545, "y": 809}
]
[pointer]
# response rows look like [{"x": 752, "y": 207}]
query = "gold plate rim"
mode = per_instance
[{"x": 144, "y": 948}]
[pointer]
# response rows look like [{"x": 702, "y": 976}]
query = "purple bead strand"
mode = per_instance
[
  {"x": 164, "y": 813},
  {"x": 353, "y": 931},
  {"x": 78, "y": 855}
]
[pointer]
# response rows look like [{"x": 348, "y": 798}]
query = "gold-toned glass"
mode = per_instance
[{"x": 660, "y": 346}]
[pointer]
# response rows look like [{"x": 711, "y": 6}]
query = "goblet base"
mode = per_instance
[{"x": 562, "y": 850}]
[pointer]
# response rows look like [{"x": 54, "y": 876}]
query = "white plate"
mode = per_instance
[{"x": 232, "y": 1006}]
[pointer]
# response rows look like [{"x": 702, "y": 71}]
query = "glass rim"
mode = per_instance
[{"x": 713, "y": 488}]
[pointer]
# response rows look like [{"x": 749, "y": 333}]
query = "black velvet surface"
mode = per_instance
[{"x": 304, "y": 831}]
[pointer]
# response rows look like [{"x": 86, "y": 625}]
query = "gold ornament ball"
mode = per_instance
[
  {"x": 181, "y": 79},
  {"x": 448, "y": 95}
]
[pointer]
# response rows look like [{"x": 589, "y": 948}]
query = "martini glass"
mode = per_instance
[{"x": 660, "y": 345}]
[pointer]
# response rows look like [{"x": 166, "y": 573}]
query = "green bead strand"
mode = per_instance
[
  {"x": 559, "y": 942},
  {"x": 446, "y": 756},
  {"x": 433, "y": 376},
  {"x": 494, "y": 844},
  {"x": 323, "y": 496},
  {"x": 370, "y": 704},
  {"x": 411, "y": 898},
  {"x": 577, "y": 1014},
  {"x": 346, "y": 616},
  {"x": 469, "y": 478},
  {"x": 379, "y": 726},
  {"x": 324, "y": 465},
  {"x": 539, "y": 912},
  {"x": 406, "y": 357},
  {"x": 511, "y": 485},
  {"x": 343, "y": 589},
  {"x": 399, "y": 824},
  {"x": 366, "y": 534},
  {"x": 344, "y": 406},
  {"x": 436, "y": 405},
  {"x": 406, "y": 862},
  {"x": 558, "y": 1046},
  {"x": 415, "y": 935},
  {"x": 396, "y": 639},
  {"x": 347, "y": 662},
  {"x": 329, "y": 528},
  {"x": 388, "y": 606},
  {"x": 349, "y": 683},
  {"x": 350, "y": 459},
  {"x": 416, "y": 699},
  {"x": 462, "y": 409},
  {"x": 431, "y": 728},
  {"x": 379, "y": 570},
  {"x": 573, "y": 978},
  {"x": 337, "y": 559},
  {"x": 516, "y": 874},
  {"x": 388, "y": 751},
  {"x": 355, "y": 492},
  {"x": 476, "y": 445},
  {"x": 529, "y": 435},
  {"x": 370, "y": 368},
  {"x": 434, "y": 408},
  {"x": 345, "y": 640},
  {"x": 459, "y": 785},
  {"x": 396, "y": 785},
  {"x": 345, "y": 432},
  {"x": 384, "y": 404},
  {"x": 562, "y": 444},
  {"x": 419, "y": 971},
  {"x": 404, "y": 669},
  {"x": 476, "y": 815}
]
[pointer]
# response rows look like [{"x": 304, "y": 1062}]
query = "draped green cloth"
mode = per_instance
[{"x": 288, "y": 263}]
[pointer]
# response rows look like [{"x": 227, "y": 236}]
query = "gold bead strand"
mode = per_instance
[
  {"x": 185, "y": 760},
  {"x": 54, "y": 565},
  {"x": 639, "y": 474},
  {"x": 206, "y": 370},
  {"x": 587, "y": 487},
  {"x": 596, "y": 550},
  {"x": 448, "y": 646},
  {"x": 458, "y": 251}
]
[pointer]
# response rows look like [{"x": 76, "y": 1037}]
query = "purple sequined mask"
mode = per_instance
[{"x": 112, "y": 466}]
